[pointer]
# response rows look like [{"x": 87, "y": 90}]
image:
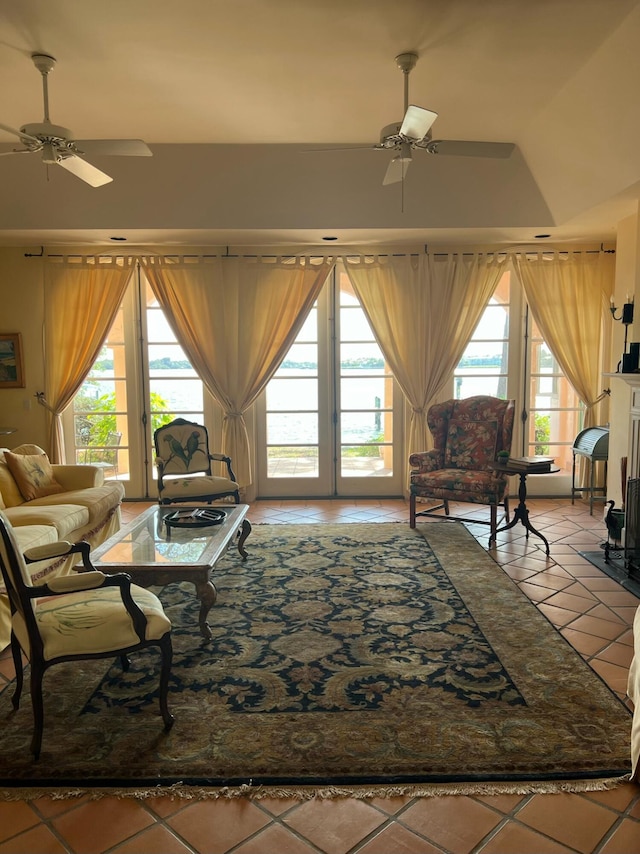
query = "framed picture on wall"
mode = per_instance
[{"x": 11, "y": 367}]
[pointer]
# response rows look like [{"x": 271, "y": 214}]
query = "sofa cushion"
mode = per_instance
[
  {"x": 33, "y": 474},
  {"x": 34, "y": 535},
  {"x": 471, "y": 444},
  {"x": 99, "y": 500},
  {"x": 65, "y": 518}
]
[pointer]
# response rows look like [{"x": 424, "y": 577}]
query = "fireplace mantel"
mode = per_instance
[{"x": 630, "y": 379}]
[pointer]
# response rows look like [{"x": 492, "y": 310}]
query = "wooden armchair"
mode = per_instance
[
  {"x": 467, "y": 435},
  {"x": 85, "y": 615},
  {"x": 184, "y": 465}
]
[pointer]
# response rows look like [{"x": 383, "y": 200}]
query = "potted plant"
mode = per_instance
[{"x": 502, "y": 457}]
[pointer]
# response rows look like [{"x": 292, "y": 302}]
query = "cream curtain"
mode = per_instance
[
  {"x": 82, "y": 296},
  {"x": 423, "y": 310},
  {"x": 568, "y": 293},
  {"x": 236, "y": 319}
]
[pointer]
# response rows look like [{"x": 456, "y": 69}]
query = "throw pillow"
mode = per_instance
[
  {"x": 33, "y": 474},
  {"x": 471, "y": 444}
]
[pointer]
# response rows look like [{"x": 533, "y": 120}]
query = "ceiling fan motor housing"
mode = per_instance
[{"x": 46, "y": 132}]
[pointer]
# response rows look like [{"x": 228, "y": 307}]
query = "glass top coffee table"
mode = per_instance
[{"x": 154, "y": 552}]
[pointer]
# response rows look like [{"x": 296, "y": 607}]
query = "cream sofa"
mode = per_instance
[{"x": 88, "y": 509}]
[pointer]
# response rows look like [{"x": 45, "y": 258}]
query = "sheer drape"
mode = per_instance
[
  {"x": 423, "y": 310},
  {"x": 236, "y": 319},
  {"x": 568, "y": 294},
  {"x": 82, "y": 297}
]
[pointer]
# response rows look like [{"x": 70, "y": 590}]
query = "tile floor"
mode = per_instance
[{"x": 593, "y": 612}]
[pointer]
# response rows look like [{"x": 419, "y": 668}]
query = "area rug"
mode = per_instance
[{"x": 345, "y": 658}]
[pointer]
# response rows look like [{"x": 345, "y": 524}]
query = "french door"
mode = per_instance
[{"x": 329, "y": 421}]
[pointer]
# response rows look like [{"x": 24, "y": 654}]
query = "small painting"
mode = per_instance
[{"x": 11, "y": 369}]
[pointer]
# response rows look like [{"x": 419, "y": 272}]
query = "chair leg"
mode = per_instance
[
  {"x": 446, "y": 506},
  {"x": 16, "y": 653},
  {"x": 37, "y": 672},
  {"x": 506, "y": 508},
  {"x": 166, "y": 650},
  {"x": 494, "y": 522},
  {"x": 125, "y": 662},
  {"x": 412, "y": 511}
]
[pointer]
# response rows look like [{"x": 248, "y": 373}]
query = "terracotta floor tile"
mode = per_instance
[
  {"x": 98, "y": 825},
  {"x": 275, "y": 838},
  {"x": 568, "y": 819},
  {"x": 618, "y": 798},
  {"x": 50, "y": 807},
  {"x": 600, "y": 628},
  {"x": 155, "y": 840},
  {"x": 568, "y": 601},
  {"x": 503, "y": 803},
  {"x": 617, "y": 653},
  {"x": 335, "y": 825},
  {"x": 390, "y": 805},
  {"x": 278, "y": 806},
  {"x": 455, "y": 822},
  {"x": 38, "y": 840},
  {"x": 560, "y": 617},
  {"x": 165, "y": 806},
  {"x": 585, "y": 644},
  {"x": 615, "y": 677},
  {"x": 625, "y": 839},
  {"x": 216, "y": 826},
  {"x": 396, "y": 839},
  {"x": 514, "y": 837},
  {"x": 15, "y": 816}
]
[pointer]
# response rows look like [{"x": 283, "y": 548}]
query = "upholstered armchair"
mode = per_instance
[
  {"x": 467, "y": 435},
  {"x": 184, "y": 465},
  {"x": 72, "y": 617}
]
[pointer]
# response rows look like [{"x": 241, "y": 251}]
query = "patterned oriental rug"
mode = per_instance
[{"x": 346, "y": 659}]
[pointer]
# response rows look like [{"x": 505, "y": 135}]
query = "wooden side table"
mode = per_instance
[{"x": 521, "y": 513}]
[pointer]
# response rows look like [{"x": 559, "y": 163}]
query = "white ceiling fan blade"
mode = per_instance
[
  {"x": 83, "y": 170},
  {"x": 464, "y": 148},
  {"x": 111, "y": 147},
  {"x": 396, "y": 170},
  {"x": 416, "y": 122},
  {"x": 19, "y": 133}
]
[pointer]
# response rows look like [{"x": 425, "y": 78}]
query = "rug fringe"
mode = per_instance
[{"x": 306, "y": 793}]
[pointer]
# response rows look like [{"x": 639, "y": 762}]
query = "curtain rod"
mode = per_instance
[{"x": 497, "y": 252}]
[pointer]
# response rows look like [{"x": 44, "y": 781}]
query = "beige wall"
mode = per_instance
[{"x": 21, "y": 301}]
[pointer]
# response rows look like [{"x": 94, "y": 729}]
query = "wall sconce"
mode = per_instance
[{"x": 629, "y": 360}]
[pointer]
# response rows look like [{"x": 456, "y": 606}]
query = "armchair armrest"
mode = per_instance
[
  {"x": 59, "y": 549},
  {"x": 425, "y": 461},
  {"x": 223, "y": 458}
]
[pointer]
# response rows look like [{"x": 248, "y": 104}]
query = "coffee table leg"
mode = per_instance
[
  {"x": 246, "y": 530},
  {"x": 207, "y": 594}
]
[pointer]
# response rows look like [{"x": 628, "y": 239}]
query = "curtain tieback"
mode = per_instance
[
  {"x": 233, "y": 414},
  {"x": 417, "y": 411}
]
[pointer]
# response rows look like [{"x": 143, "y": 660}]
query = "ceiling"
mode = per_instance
[{"x": 233, "y": 96}]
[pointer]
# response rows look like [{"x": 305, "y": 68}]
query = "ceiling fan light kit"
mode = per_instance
[
  {"x": 57, "y": 145},
  {"x": 414, "y": 133}
]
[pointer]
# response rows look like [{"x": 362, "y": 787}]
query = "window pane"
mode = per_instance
[
  {"x": 301, "y": 357},
  {"x": 366, "y": 461},
  {"x": 355, "y": 357},
  {"x": 366, "y": 392},
  {"x": 354, "y": 325},
  {"x": 283, "y": 393},
  {"x": 292, "y": 428},
  {"x": 358, "y": 427},
  {"x": 170, "y": 359},
  {"x": 468, "y": 386},
  {"x": 177, "y": 396},
  {"x": 292, "y": 462}
]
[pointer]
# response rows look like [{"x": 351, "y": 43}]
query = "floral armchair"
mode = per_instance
[{"x": 467, "y": 435}]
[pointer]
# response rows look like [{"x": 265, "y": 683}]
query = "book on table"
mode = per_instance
[{"x": 534, "y": 464}]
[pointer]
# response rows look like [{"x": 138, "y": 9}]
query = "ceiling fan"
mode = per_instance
[
  {"x": 58, "y": 145},
  {"x": 415, "y": 133}
]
